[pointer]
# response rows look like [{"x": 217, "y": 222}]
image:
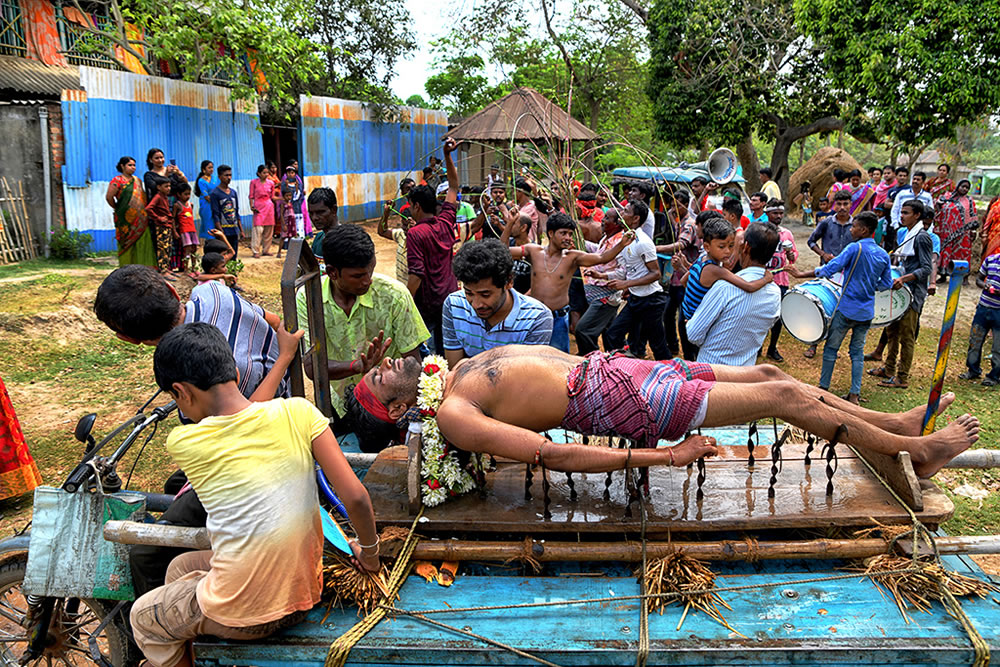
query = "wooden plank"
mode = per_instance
[
  {"x": 20, "y": 249},
  {"x": 6, "y": 254},
  {"x": 898, "y": 473},
  {"x": 735, "y": 498}
]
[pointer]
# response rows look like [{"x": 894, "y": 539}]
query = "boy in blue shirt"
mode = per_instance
[{"x": 867, "y": 269}]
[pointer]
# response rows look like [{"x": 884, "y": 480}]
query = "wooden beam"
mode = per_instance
[{"x": 131, "y": 532}]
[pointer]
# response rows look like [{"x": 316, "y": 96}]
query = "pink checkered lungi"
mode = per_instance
[{"x": 638, "y": 399}]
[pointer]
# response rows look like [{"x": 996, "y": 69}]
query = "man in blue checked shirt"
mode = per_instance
[
  {"x": 866, "y": 269},
  {"x": 487, "y": 311}
]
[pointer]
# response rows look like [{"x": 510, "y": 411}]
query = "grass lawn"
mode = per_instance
[{"x": 60, "y": 363}]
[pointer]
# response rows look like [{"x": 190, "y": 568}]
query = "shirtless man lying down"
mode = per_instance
[{"x": 497, "y": 402}]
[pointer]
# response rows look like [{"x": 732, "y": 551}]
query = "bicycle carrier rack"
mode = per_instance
[{"x": 301, "y": 270}]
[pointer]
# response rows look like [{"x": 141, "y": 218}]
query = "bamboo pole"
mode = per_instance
[
  {"x": 130, "y": 532},
  {"x": 6, "y": 254},
  {"x": 27, "y": 222},
  {"x": 976, "y": 458}
]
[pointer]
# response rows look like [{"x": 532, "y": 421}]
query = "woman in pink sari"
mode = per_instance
[
  {"x": 888, "y": 183},
  {"x": 262, "y": 197},
  {"x": 953, "y": 222}
]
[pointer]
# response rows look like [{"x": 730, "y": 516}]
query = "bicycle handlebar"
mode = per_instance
[{"x": 84, "y": 471}]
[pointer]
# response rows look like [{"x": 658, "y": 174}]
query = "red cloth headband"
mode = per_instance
[{"x": 370, "y": 402}]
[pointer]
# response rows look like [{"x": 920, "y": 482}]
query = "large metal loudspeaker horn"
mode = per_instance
[{"x": 720, "y": 165}]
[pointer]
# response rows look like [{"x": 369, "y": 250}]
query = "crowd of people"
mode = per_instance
[
  {"x": 155, "y": 222},
  {"x": 497, "y": 282}
]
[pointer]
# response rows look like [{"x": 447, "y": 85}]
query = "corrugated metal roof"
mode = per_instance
[
  {"x": 534, "y": 115},
  {"x": 21, "y": 75},
  {"x": 128, "y": 87}
]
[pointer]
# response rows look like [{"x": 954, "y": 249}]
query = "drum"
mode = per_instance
[
  {"x": 806, "y": 309},
  {"x": 891, "y": 304}
]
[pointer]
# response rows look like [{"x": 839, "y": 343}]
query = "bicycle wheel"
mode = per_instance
[{"x": 73, "y": 623}]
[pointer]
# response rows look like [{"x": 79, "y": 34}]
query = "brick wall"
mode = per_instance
[{"x": 57, "y": 153}]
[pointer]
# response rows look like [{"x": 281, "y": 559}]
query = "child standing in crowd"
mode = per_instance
[
  {"x": 284, "y": 220},
  {"x": 226, "y": 208},
  {"x": 253, "y": 466},
  {"x": 986, "y": 319},
  {"x": 213, "y": 267},
  {"x": 219, "y": 244},
  {"x": 186, "y": 231},
  {"x": 719, "y": 239},
  {"x": 158, "y": 212}
]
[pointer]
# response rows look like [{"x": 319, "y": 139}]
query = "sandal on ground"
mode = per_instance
[
  {"x": 810, "y": 353},
  {"x": 969, "y": 375},
  {"x": 894, "y": 383},
  {"x": 859, "y": 401},
  {"x": 879, "y": 372},
  {"x": 989, "y": 382},
  {"x": 871, "y": 356}
]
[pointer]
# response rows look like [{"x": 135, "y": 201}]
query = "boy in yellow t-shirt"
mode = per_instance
[{"x": 252, "y": 466}]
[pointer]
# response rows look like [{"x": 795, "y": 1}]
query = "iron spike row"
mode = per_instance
[{"x": 776, "y": 460}]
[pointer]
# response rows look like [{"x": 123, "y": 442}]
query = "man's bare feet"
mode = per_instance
[
  {"x": 944, "y": 445},
  {"x": 693, "y": 448},
  {"x": 912, "y": 421}
]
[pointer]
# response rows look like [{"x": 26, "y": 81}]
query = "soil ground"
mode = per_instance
[{"x": 59, "y": 363}]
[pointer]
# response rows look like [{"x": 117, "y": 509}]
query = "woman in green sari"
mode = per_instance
[{"x": 128, "y": 200}]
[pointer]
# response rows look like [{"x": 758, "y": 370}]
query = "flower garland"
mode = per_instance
[{"x": 443, "y": 475}]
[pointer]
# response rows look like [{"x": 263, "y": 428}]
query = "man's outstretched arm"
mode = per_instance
[{"x": 463, "y": 424}]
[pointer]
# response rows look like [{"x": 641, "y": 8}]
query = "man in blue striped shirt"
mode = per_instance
[{"x": 488, "y": 312}]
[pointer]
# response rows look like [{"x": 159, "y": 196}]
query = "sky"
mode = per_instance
[{"x": 429, "y": 23}]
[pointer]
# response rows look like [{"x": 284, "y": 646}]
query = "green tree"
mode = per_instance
[
  {"x": 721, "y": 69},
  {"x": 915, "y": 70},
  {"x": 460, "y": 84},
  {"x": 593, "y": 63},
  {"x": 379, "y": 33},
  {"x": 417, "y": 101},
  {"x": 244, "y": 44}
]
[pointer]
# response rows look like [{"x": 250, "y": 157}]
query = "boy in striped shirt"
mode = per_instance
[{"x": 987, "y": 319}]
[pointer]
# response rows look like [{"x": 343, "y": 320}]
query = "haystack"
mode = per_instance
[{"x": 818, "y": 170}]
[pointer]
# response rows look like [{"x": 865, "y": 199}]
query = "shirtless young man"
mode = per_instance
[
  {"x": 553, "y": 266},
  {"x": 497, "y": 402}
]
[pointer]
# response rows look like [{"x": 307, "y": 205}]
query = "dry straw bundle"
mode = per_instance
[
  {"x": 682, "y": 575},
  {"x": 344, "y": 584},
  {"x": 918, "y": 588}
]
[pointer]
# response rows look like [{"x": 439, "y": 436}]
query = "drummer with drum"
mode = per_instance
[
  {"x": 831, "y": 236},
  {"x": 915, "y": 272},
  {"x": 866, "y": 270}
]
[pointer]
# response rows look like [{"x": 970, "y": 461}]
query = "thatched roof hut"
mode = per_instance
[
  {"x": 523, "y": 115},
  {"x": 818, "y": 170}
]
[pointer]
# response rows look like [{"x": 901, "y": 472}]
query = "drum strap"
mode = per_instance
[{"x": 850, "y": 273}]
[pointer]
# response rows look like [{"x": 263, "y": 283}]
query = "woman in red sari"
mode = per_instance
[
  {"x": 991, "y": 229},
  {"x": 941, "y": 184},
  {"x": 953, "y": 222},
  {"x": 18, "y": 472}
]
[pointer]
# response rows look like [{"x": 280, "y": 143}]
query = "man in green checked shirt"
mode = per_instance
[{"x": 367, "y": 315}]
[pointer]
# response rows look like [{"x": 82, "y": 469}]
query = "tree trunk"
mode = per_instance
[
  {"x": 785, "y": 138},
  {"x": 779, "y": 160},
  {"x": 802, "y": 152},
  {"x": 747, "y": 155}
]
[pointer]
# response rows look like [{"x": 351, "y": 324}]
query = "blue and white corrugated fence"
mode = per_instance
[
  {"x": 120, "y": 113},
  {"x": 344, "y": 148}
]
